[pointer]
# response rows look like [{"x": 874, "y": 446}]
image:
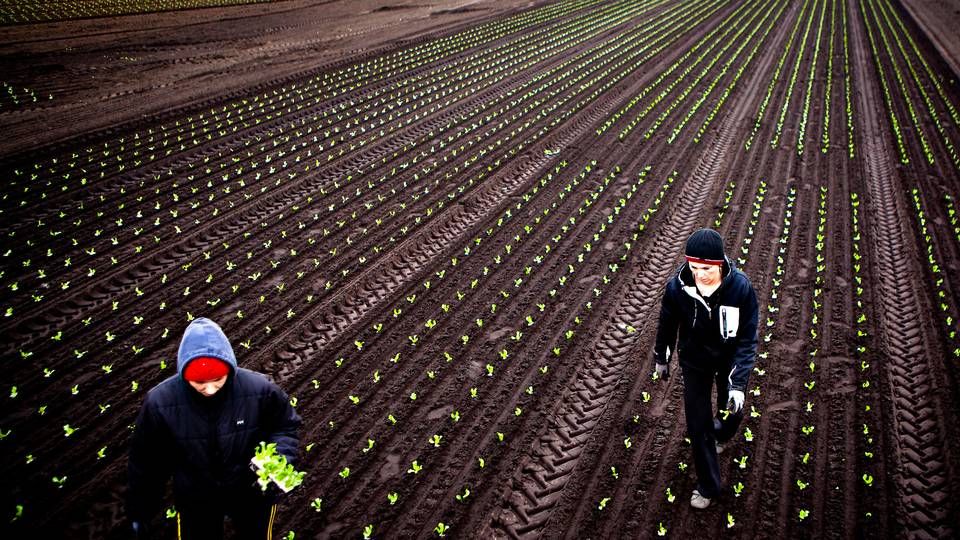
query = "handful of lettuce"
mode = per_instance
[{"x": 273, "y": 467}]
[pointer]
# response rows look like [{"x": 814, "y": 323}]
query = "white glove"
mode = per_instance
[
  {"x": 663, "y": 371},
  {"x": 735, "y": 401}
]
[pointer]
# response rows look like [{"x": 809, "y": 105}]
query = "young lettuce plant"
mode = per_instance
[{"x": 271, "y": 466}]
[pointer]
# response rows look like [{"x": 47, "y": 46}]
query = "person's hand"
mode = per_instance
[
  {"x": 272, "y": 493},
  {"x": 735, "y": 401},
  {"x": 139, "y": 529},
  {"x": 662, "y": 371}
]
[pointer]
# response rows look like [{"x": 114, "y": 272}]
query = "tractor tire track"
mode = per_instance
[{"x": 921, "y": 473}]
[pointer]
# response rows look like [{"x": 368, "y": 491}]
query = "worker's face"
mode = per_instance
[
  {"x": 209, "y": 388},
  {"x": 706, "y": 275}
]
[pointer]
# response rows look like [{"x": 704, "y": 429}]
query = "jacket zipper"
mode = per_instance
[{"x": 723, "y": 325}]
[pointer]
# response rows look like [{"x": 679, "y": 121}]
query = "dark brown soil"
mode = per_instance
[{"x": 478, "y": 204}]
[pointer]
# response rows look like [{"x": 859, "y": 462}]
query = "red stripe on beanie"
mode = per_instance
[
  {"x": 712, "y": 262},
  {"x": 205, "y": 368}
]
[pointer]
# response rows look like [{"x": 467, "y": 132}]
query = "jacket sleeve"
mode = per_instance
[
  {"x": 284, "y": 424},
  {"x": 667, "y": 328},
  {"x": 745, "y": 354},
  {"x": 148, "y": 466}
]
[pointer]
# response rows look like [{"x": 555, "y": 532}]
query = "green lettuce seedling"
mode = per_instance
[{"x": 273, "y": 467}]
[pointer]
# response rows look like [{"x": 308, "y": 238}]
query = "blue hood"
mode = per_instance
[{"x": 204, "y": 338}]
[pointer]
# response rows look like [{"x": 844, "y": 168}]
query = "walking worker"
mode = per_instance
[
  {"x": 713, "y": 307},
  {"x": 202, "y": 426}
]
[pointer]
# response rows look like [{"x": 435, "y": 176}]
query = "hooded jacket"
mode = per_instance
[
  {"x": 718, "y": 333},
  {"x": 205, "y": 443}
]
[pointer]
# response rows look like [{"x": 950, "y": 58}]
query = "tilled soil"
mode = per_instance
[{"x": 444, "y": 229}]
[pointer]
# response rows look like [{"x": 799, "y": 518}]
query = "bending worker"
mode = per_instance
[
  {"x": 713, "y": 307},
  {"x": 202, "y": 426}
]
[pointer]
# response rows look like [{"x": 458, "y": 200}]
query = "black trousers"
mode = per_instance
[
  {"x": 251, "y": 514},
  {"x": 706, "y": 424}
]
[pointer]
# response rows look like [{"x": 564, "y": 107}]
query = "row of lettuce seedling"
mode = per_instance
[
  {"x": 16, "y": 97},
  {"x": 918, "y": 84},
  {"x": 320, "y": 146},
  {"x": 861, "y": 351},
  {"x": 807, "y": 460},
  {"x": 296, "y": 159},
  {"x": 735, "y": 23},
  {"x": 702, "y": 15},
  {"x": 545, "y": 112},
  {"x": 36, "y": 12},
  {"x": 726, "y": 67},
  {"x": 801, "y": 132},
  {"x": 388, "y": 66},
  {"x": 775, "y": 78},
  {"x": 792, "y": 84},
  {"x": 704, "y": 126},
  {"x": 414, "y": 160},
  {"x": 944, "y": 308},
  {"x": 901, "y": 83},
  {"x": 506, "y": 352}
]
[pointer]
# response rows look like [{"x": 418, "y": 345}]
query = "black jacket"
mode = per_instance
[
  {"x": 205, "y": 443},
  {"x": 719, "y": 333}
]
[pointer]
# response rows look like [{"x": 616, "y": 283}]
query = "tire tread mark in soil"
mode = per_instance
[
  {"x": 922, "y": 474},
  {"x": 922, "y": 477},
  {"x": 542, "y": 477},
  {"x": 367, "y": 291}
]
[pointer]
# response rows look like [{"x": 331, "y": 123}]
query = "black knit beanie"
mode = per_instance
[{"x": 705, "y": 246}]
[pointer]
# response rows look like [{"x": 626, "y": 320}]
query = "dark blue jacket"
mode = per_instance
[
  {"x": 715, "y": 334},
  {"x": 205, "y": 443}
]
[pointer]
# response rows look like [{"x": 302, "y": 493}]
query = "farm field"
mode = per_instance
[{"x": 444, "y": 228}]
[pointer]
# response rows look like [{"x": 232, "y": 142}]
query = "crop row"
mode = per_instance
[
  {"x": 809, "y": 459},
  {"x": 944, "y": 306},
  {"x": 825, "y": 133},
  {"x": 862, "y": 352},
  {"x": 801, "y": 133},
  {"x": 250, "y": 238},
  {"x": 733, "y": 82},
  {"x": 34, "y": 11},
  {"x": 13, "y": 97},
  {"x": 705, "y": 94},
  {"x": 708, "y": 38},
  {"x": 295, "y": 158},
  {"x": 491, "y": 311},
  {"x": 737, "y": 28},
  {"x": 918, "y": 84},
  {"x": 280, "y": 104},
  {"x": 775, "y": 78},
  {"x": 778, "y": 131}
]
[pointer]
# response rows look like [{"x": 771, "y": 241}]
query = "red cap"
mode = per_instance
[
  {"x": 205, "y": 368},
  {"x": 711, "y": 262}
]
